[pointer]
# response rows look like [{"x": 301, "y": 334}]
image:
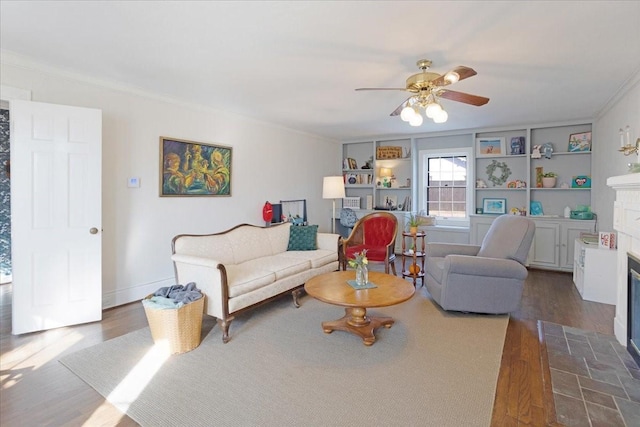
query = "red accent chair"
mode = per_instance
[{"x": 375, "y": 232}]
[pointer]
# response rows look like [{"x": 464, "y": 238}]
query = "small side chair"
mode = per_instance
[{"x": 375, "y": 232}]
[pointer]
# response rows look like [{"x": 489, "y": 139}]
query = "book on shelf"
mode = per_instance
[
  {"x": 589, "y": 238},
  {"x": 357, "y": 178}
]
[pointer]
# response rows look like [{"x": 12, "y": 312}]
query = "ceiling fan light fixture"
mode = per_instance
[
  {"x": 407, "y": 113},
  {"x": 441, "y": 117},
  {"x": 451, "y": 77},
  {"x": 416, "y": 120},
  {"x": 432, "y": 109}
]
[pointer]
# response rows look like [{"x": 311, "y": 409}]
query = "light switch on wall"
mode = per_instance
[{"x": 133, "y": 182}]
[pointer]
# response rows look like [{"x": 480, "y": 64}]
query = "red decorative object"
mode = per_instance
[{"x": 267, "y": 212}]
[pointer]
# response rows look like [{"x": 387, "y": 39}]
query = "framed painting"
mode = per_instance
[
  {"x": 490, "y": 146},
  {"x": 535, "y": 208},
  {"x": 579, "y": 142},
  {"x": 494, "y": 206},
  {"x": 189, "y": 168}
]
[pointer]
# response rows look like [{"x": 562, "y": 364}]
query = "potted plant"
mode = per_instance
[
  {"x": 549, "y": 179},
  {"x": 413, "y": 223}
]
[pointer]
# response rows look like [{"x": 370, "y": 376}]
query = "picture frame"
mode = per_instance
[
  {"x": 494, "y": 206},
  {"x": 581, "y": 181},
  {"x": 579, "y": 142},
  {"x": 194, "y": 169},
  {"x": 352, "y": 163},
  {"x": 517, "y": 146},
  {"x": 491, "y": 146},
  {"x": 535, "y": 208},
  {"x": 388, "y": 152}
]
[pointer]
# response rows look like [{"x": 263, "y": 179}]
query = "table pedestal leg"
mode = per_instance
[{"x": 357, "y": 322}]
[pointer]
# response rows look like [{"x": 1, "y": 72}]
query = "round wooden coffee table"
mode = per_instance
[{"x": 333, "y": 288}]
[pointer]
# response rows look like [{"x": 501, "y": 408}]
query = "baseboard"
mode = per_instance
[
  {"x": 620, "y": 331},
  {"x": 134, "y": 293}
]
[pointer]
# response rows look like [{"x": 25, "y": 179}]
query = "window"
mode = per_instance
[{"x": 445, "y": 185}]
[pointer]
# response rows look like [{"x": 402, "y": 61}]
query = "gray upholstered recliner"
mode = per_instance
[{"x": 482, "y": 279}]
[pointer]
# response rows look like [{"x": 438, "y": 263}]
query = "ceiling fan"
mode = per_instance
[{"x": 428, "y": 88}]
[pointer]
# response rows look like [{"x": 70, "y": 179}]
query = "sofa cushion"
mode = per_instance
[
  {"x": 317, "y": 258},
  {"x": 303, "y": 238},
  {"x": 282, "y": 265},
  {"x": 243, "y": 278}
]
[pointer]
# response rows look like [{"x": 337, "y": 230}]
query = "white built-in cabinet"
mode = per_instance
[
  {"x": 594, "y": 272},
  {"x": 553, "y": 242}
]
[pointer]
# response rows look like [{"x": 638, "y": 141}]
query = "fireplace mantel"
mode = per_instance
[{"x": 626, "y": 221}]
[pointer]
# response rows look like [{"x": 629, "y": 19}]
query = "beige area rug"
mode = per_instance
[{"x": 432, "y": 368}]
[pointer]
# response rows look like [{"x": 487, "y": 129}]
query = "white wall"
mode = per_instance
[
  {"x": 623, "y": 110},
  {"x": 269, "y": 163}
]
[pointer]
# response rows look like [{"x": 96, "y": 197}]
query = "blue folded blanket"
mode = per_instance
[{"x": 173, "y": 296}]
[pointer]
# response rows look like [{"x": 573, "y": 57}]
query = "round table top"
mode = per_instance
[{"x": 333, "y": 288}]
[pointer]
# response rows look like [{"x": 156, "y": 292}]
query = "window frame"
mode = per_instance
[{"x": 423, "y": 158}]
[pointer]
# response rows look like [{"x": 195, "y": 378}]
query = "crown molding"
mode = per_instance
[
  {"x": 630, "y": 83},
  {"x": 28, "y": 63}
]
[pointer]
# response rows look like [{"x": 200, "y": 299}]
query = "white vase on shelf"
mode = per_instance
[{"x": 548, "y": 182}]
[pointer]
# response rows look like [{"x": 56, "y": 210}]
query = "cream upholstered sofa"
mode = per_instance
[{"x": 248, "y": 265}]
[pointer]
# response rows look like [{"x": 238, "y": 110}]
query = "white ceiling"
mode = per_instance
[{"x": 297, "y": 63}]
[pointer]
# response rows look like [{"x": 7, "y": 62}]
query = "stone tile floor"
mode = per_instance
[{"x": 595, "y": 381}]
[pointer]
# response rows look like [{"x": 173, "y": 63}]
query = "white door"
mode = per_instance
[{"x": 56, "y": 215}]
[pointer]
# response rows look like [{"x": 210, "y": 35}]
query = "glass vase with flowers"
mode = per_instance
[{"x": 360, "y": 263}]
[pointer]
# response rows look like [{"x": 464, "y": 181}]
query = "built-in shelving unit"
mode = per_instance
[
  {"x": 374, "y": 189},
  {"x": 523, "y": 168}
]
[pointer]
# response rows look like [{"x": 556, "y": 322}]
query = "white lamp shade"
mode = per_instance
[{"x": 333, "y": 187}]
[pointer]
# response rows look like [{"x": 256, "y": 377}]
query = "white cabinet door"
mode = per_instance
[
  {"x": 546, "y": 244},
  {"x": 570, "y": 232}
]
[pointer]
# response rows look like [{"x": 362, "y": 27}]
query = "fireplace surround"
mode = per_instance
[
  {"x": 626, "y": 221},
  {"x": 633, "y": 308}
]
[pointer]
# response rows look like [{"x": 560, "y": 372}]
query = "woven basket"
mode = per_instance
[{"x": 180, "y": 327}]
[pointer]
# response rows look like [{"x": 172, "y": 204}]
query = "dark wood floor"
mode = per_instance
[{"x": 39, "y": 391}]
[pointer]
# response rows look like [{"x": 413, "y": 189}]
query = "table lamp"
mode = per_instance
[{"x": 333, "y": 188}]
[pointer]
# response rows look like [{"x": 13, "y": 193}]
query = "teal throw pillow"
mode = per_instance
[{"x": 302, "y": 238}]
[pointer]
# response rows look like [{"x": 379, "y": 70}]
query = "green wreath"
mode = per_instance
[{"x": 506, "y": 172}]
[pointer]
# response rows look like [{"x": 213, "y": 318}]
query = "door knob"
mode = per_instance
[{"x": 93, "y": 230}]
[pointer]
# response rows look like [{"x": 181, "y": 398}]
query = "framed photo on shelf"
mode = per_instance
[
  {"x": 579, "y": 142},
  {"x": 517, "y": 145},
  {"x": 494, "y": 206},
  {"x": 535, "y": 208},
  {"x": 490, "y": 146},
  {"x": 351, "y": 163}
]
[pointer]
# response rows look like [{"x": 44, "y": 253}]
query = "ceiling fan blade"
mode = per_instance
[
  {"x": 463, "y": 97},
  {"x": 398, "y": 110},
  {"x": 462, "y": 71},
  {"x": 382, "y": 88}
]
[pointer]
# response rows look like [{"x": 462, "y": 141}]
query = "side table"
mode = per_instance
[{"x": 414, "y": 254}]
